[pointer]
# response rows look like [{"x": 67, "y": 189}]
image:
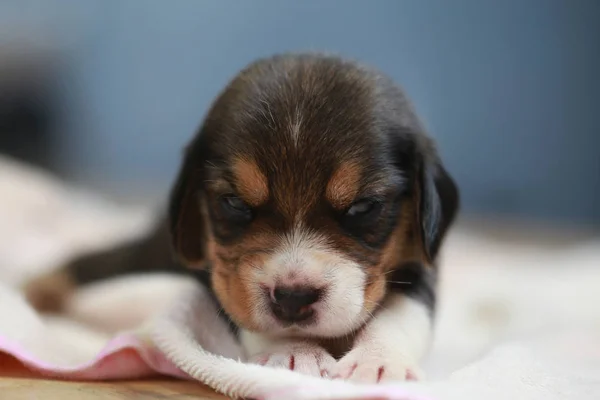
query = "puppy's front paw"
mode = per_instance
[
  {"x": 306, "y": 358},
  {"x": 374, "y": 365}
]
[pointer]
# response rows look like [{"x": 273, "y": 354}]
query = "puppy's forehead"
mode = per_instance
[
  {"x": 297, "y": 129},
  {"x": 295, "y": 107},
  {"x": 301, "y": 113}
]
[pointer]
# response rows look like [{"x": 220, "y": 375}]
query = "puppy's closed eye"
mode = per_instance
[
  {"x": 361, "y": 215},
  {"x": 235, "y": 209},
  {"x": 363, "y": 208},
  {"x": 370, "y": 220}
]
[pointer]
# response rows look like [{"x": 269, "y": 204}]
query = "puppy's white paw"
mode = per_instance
[
  {"x": 374, "y": 365},
  {"x": 306, "y": 358}
]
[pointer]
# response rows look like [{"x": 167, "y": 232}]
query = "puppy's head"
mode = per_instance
[{"x": 309, "y": 181}]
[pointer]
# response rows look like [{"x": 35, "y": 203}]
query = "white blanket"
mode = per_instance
[{"x": 515, "y": 321}]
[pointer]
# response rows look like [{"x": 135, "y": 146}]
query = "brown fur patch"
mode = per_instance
[
  {"x": 50, "y": 292},
  {"x": 228, "y": 285},
  {"x": 399, "y": 248},
  {"x": 232, "y": 275},
  {"x": 343, "y": 185},
  {"x": 233, "y": 294},
  {"x": 250, "y": 181}
]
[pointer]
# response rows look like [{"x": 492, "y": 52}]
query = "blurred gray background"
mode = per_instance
[{"x": 106, "y": 93}]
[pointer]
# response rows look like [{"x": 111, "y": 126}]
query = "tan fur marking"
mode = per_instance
[
  {"x": 343, "y": 185},
  {"x": 233, "y": 281},
  {"x": 51, "y": 291},
  {"x": 399, "y": 248},
  {"x": 251, "y": 182},
  {"x": 230, "y": 289}
]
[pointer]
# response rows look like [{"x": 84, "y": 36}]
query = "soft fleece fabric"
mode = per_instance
[{"x": 516, "y": 321}]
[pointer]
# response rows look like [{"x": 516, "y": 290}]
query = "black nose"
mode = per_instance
[{"x": 293, "y": 304}]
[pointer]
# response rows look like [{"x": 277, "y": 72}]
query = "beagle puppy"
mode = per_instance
[{"x": 312, "y": 205}]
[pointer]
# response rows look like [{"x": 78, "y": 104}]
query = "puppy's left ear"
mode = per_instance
[
  {"x": 438, "y": 203},
  {"x": 186, "y": 220}
]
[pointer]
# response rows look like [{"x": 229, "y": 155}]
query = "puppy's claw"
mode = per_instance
[
  {"x": 305, "y": 358},
  {"x": 364, "y": 366}
]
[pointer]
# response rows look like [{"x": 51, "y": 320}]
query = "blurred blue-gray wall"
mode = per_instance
[{"x": 510, "y": 89}]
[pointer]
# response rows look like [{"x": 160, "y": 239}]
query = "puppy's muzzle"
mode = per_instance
[{"x": 294, "y": 304}]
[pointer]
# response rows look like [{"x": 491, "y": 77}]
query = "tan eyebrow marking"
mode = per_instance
[
  {"x": 250, "y": 181},
  {"x": 344, "y": 185}
]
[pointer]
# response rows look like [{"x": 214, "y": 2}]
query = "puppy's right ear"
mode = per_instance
[
  {"x": 186, "y": 219},
  {"x": 438, "y": 205}
]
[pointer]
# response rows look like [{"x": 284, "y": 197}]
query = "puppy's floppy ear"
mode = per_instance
[
  {"x": 186, "y": 220},
  {"x": 438, "y": 203}
]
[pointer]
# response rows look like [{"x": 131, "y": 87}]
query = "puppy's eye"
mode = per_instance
[
  {"x": 361, "y": 208},
  {"x": 235, "y": 207},
  {"x": 363, "y": 221},
  {"x": 234, "y": 202}
]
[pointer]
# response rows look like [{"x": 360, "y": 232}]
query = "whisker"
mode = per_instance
[
  {"x": 370, "y": 301},
  {"x": 398, "y": 282},
  {"x": 376, "y": 305},
  {"x": 386, "y": 273},
  {"x": 219, "y": 312}
]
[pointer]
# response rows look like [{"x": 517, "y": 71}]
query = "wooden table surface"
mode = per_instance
[{"x": 17, "y": 383}]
